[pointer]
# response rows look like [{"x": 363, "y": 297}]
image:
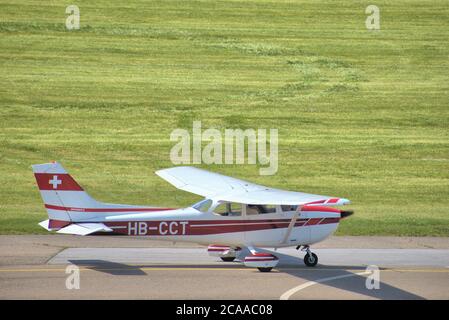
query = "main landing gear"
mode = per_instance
[
  {"x": 227, "y": 259},
  {"x": 225, "y": 253},
  {"x": 310, "y": 259}
]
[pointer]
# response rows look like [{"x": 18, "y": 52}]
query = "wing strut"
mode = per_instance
[{"x": 292, "y": 224}]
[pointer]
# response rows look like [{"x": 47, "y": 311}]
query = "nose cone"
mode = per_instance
[{"x": 342, "y": 202}]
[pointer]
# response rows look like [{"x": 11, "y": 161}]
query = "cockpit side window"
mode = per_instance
[
  {"x": 229, "y": 209},
  {"x": 253, "y": 209},
  {"x": 289, "y": 208},
  {"x": 222, "y": 209},
  {"x": 270, "y": 208},
  {"x": 236, "y": 209}
]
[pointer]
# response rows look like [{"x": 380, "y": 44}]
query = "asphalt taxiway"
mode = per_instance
[{"x": 34, "y": 267}]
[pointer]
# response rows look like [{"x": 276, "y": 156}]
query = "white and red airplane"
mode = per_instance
[{"x": 234, "y": 214}]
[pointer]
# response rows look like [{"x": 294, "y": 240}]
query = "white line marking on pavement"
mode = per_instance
[{"x": 289, "y": 293}]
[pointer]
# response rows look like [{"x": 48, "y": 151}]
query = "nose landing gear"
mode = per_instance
[{"x": 310, "y": 259}]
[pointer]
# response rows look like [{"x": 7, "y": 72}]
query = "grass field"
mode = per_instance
[{"x": 361, "y": 114}]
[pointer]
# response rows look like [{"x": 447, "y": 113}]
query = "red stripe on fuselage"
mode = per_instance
[
  {"x": 199, "y": 227},
  {"x": 313, "y": 221},
  {"x": 320, "y": 209},
  {"x": 330, "y": 220}
]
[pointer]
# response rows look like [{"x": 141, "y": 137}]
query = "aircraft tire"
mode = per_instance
[
  {"x": 311, "y": 260},
  {"x": 227, "y": 259}
]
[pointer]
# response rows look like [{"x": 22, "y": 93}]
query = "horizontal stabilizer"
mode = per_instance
[
  {"x": 84, "y": 229},
  {"x": 45, "y": 224}
]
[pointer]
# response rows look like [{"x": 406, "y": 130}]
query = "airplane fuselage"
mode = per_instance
[{"x": 189, "y": 225}]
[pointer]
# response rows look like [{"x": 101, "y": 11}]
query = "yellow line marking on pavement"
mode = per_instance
[
  {"x": 381, "y": 270},
  {"x": 93, "y": 268},
  {"x": 162, "y": 268}
]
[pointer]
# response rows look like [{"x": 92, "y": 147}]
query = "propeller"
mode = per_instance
[{"x": 346, "y": 213}]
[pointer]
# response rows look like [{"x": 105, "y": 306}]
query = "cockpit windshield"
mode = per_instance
[{"x": 203, "y": 206}]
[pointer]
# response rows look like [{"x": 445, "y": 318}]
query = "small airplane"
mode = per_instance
[{"x": 233, "y": 215}]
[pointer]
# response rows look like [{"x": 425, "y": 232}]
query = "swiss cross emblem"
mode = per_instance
[{"x": 55, "y": 182}]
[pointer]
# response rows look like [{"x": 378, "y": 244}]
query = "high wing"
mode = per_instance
[{"x": 223, "y": 188}]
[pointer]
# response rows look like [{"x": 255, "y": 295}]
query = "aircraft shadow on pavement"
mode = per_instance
[
  {"x": 295, "y": 266},
  {"x": 113, "y": 268}
]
